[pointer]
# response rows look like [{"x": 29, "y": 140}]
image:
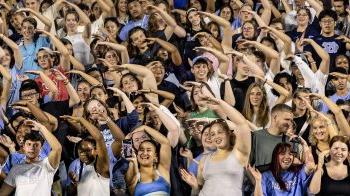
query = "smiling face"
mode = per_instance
[
  {"x": 285, "y": 84},
  {"x": 71, "y": 21},
  {"x": 207, "y": 141},
  {"x": 17, "y": 20},
  {"x": 122, "y": 4},
  {"x": 129, "y": 84},
  {"x": 112, "y": 57},
  {"x": 94, "y": 109},
  {"x": 158, "y": 71},
  {"x": 339, "y": 152},
  {"x": 319, "y": 130},
  {"x": 111, "y": 27},
  {"x": 86, "y": 152},
  {"x": 147, "y": 155},
  {"x": 302, "y": 17},
  {"x": 200, "y": 71},
  {"x": 152, "y": 118},
  {"x": 300, "y": 103},
  {"x": 194, "y": 18},
  {"x": 27, "y": 30},
  {"x": 83, "y": 91},
  {"x": 6, "y": 59},
  {"x": 219, "y": 136},
  {"x": 285, "y": 159},
  {"x": 256, "y": 96}
]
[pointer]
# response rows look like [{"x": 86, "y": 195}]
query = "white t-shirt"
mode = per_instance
[
  {"x": 32, "y": 179},
  {"x": 92, "y": 183}
]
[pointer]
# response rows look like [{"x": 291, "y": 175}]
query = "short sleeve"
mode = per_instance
[
  {"x": 48, "y": 166},
  {"x": 264, "y": 183},
  {"x": 11, "y": 177}
]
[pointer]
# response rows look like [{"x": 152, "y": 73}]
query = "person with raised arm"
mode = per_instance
[
  {"x": 223, "y": 169},
  {"x": 40, "y": 181},
  {"x": 153, "y": 168},
  {"x": 94, "y": 174}
]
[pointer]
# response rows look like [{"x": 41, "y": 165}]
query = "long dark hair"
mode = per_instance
[{"x": 275, "y": 166}]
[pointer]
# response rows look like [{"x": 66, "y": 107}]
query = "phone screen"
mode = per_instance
[{"x": 127, "y": 148}]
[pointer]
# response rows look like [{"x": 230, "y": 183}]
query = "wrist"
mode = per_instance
[{"x": 65, "y": 82}]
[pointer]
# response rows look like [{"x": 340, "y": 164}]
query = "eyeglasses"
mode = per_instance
[
  {"x": 330, "y": 21},
  {"x": 29, "y": 96}
]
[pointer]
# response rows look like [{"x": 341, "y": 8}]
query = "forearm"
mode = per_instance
[
  {"x": 229, "y": 97},
  {"x": 43, "y": 19},
  {"x": 94, "y": 131},
  {"x": 222, "y": 22},
  {"x": 73, "y": 95},
  {"x": 315, "y": 184},
  {"x": 266, "y": 15},
  {"x": 157, "y": 136},
  {"x": 164, "y": 94},
  {"x": 128, "y": 104},
  {"x": 59, "y": 45},
  {"x": 211, "y": 6},
  {"x": 115, "y": 130},
  {"x": 282, "y": 91},
  {"x": 49, "y": 84},
  {"x": 51, "y": 139},
  {"x": 258, "y": 189},
  {"x": 314, "y": 4},
  {"x": 76, "y": 64},
  {"x": 234, "y": 115},
  {"x": 171, "y": 126},
  {"x": 89, "y": 79}
]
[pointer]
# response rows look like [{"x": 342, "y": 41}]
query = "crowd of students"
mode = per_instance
[{"x": 174, "y": 97}]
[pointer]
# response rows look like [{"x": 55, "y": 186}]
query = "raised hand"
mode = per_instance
[
  {"x": 6, "y": 141},
  {"x": 321, "y": 157},
  {"x": 255, "y": 173},
  {"x": 189, "y": 178},
  {"x": 186, "y": 153},
  {"x": 150, "y": 106}
]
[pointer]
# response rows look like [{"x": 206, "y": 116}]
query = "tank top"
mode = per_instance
[
  {"x": 222, "y": 178},
  {"x": 159, "y": 187},
  {"x": 333, "y": 187},
  {"x": 92, "y": 183},
  {"x": 81, "y": 48}
]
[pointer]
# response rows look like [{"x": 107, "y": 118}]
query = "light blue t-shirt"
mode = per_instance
[
  {"x": 18, "y": 158},
  {"x": 335, "y": 98},
  {"x": 143, "y": 23},
  {"x": 29, "y": 51},
  {"x": 296, "y": 183}
]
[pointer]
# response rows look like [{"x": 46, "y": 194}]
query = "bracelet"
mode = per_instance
[{"x": 312, "y": 62}]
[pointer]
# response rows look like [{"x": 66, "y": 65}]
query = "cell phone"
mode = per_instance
[{"x": 127, "y": 148}]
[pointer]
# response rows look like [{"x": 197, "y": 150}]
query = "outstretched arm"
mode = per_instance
[
  {"x": 15, "y": 49},
  {"x": 6, "y": 81},
  {"x": 56, "y": 148},
  {"x": 118, "y": 47},
  {"x": 174, "y": 52},
  {"x": 42, "y": 18}
]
